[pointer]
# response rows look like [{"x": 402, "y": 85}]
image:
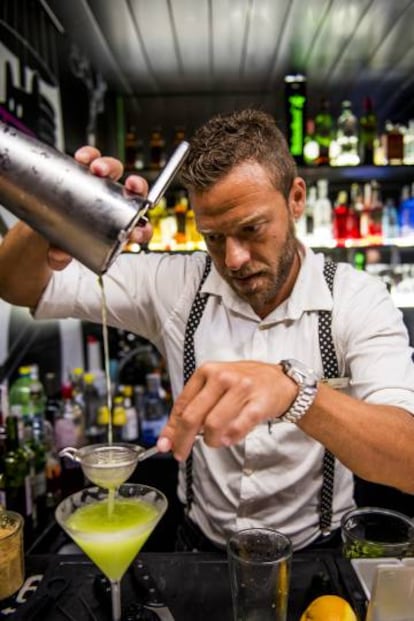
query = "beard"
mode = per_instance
[{"x": 266, "y": 284}]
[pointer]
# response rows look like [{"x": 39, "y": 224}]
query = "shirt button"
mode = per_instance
[{"x": 248, "y": 472}]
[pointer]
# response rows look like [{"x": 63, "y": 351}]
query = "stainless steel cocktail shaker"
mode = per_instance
[{"x": 87, "y": 216}]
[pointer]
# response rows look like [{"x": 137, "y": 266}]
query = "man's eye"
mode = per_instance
[
  {"x": 212, "y": 238},
  {"x": 252, "y": 229}
]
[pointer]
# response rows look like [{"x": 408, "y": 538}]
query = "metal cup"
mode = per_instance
[{"x": 87, "y": 216}]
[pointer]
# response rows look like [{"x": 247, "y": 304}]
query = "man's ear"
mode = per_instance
[{"x": 297, "y": 198}]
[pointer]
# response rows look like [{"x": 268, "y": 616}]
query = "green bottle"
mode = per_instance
[
  {"x": 17, "y": 473},
  {"x": 38, "y": 447},
  {"x": 324, "y": 132},
  {"x": 20, "y": 399}
]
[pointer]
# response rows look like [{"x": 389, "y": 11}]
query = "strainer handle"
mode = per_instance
[
  {"x": 70, "y": 452},
  {"x": 148, "y": 453}
]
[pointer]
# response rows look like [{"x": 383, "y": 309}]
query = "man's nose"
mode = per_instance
[{"x": 237, "y": 254}]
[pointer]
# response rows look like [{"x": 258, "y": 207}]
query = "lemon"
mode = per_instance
[{"x": 329, "y": 608}]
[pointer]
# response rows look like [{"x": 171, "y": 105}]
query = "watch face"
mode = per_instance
[{"x": 300, "y": 372}]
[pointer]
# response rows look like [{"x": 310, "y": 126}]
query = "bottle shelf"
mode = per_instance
[
  {"x": 332, "y": 173},
  {"x": 366, "y": 242},
  {"x": 357, "y": 173}
]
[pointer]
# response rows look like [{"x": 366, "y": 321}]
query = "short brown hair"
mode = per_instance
[{"x": 230, "y": 139}]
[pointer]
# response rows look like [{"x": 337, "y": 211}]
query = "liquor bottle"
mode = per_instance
[
  {"x": 130, "y": 431},
  {"x": 394, "y": 144},
  {"x": 340, "y": 217},
  {"x": 389, "y": 223},
  {"x": 95, "y": 364},
  {"x": 99, "y": 433},
  {"x": 37, "y": 392},
  {"x": 409, "y": 144},
  {"x": 194, "y": 238},
  {"x": 310, "y": 207},
  {"x": 38, "y": 446},
  {"x": 376, "y": 210},
  {"x": 406, "y": 212},
  {"x": 53, "y": 398},
  {"x": 353, "y": 225},
  {"x": 157, "y": 149},
  {"x": 119, "y": 418},
  {"x": 134, "y": 152},
  {"x": 180, "y": 211},
  {"x": 77, "y": 381},
  {"x": 324, "y": 131},
  {"x": 310, "y": 145},
  {"x": 155, "y": 413},
  {"x": 179, "y": 136},
  {"x": 17, "y": 475},
  {"x": 367, "y": 132},
  {"x": 69, "y": 431},
  {"x": 347, "y": 137},
  {"x": 3, "y": 499},
  {"x": 91, "y": 399},
  {"x": 156, "y": 216},
  {"x": 69, "y": 428},
  {"x": 322, "y": 213},
  {"x": 296, "y": 104}
]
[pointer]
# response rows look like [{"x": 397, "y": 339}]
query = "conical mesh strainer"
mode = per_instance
[{"x": 108, "y": 465}]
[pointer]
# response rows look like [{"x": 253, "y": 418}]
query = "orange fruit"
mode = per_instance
[{"x": 329, "y": 608}]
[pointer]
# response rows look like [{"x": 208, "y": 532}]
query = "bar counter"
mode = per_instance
[{"x": 167, "y": 586}]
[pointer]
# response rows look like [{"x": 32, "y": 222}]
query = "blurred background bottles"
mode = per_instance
[
  {"x": 155, "y": 409},
  {"x": 324, "y": 131},
  {"x": 19, "y": 394},
  {"x": 134, "y": 150},
  {"x": 157, "y": 155},
  {"x": 322, "y": 213},
  {"x": 368, "y": 132},
  {"x": 17, "y": 475},
  {"x": 346, "y": 150}
]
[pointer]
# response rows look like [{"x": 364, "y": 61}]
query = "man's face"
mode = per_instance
[{"x": 248, "y": 227}]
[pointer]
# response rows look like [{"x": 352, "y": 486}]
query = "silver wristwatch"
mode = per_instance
[{"x": 307, "y": 381}]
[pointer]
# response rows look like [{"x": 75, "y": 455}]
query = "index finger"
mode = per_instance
[
  {"x": 184, "y": 422},
  {"x": 136, "y": 184}
]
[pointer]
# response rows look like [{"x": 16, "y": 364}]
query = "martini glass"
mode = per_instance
[{"x": 111, "y": 527}]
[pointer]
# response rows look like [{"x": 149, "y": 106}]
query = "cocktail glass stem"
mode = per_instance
[{"x": 116, "y": 600}]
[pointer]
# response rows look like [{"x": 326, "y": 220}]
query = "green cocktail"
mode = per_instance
[{"x": 111, "y": 528}]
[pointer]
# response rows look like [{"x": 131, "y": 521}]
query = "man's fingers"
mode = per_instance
[
  {"x": 57, "y": 258},
  {"x": 101, "y": 166},
  {"x": 136, "y": 184},
  {"x": 107, "y": 167},
  {"x": 86, "y": 155}
]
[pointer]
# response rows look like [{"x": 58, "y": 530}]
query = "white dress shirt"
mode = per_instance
[{"x": 268, "y": 479}]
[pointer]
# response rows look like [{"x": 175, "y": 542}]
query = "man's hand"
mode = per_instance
[
  {"x": 111, "y": 168},
  {"x": 225, "y": 401}
]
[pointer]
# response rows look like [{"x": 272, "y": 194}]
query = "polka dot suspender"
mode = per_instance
[
  {"x": 194, "y": 318},
  {"x": 330, "y": 369},
  {"x": 330, "y": 366}
]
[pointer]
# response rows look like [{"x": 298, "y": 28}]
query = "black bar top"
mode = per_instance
[{"x": 166, "y": 586}]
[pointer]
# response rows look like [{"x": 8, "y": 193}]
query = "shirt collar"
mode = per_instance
[{"x": 310, "y": 292}]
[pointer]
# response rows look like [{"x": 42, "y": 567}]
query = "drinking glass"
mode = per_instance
[
  {"x": 111, "y": 526},
  {"x": 373, "y": 532},
  {"x": 259, "y": 564}
]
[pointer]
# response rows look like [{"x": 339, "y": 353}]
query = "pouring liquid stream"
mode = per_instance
[{"x": 104, "y": 316}]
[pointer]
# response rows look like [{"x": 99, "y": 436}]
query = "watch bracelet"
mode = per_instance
[{"x": 304, "y": 399}]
